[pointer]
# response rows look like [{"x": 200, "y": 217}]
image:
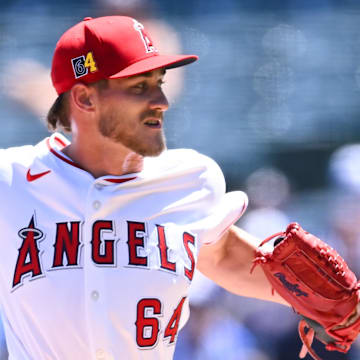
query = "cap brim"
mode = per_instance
[{"x": 155, "y": 62}]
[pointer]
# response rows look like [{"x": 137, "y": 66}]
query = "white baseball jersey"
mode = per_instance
[{"x": 100, "y": 268}]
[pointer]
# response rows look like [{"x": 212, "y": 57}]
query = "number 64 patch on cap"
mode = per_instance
[{"x": 82, "y": 64}]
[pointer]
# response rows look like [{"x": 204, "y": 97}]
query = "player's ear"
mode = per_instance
[{"x": 82, "y": 97}]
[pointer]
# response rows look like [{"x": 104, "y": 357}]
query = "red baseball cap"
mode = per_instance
[{"x": 108, "y": 47}]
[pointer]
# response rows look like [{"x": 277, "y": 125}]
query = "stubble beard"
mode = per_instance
[{"x": 109, "y": 127}]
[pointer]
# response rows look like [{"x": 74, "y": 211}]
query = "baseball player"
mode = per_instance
[{"x": 101, "y": 235}]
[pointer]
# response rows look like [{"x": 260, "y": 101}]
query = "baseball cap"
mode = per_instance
[{"x": 107, "y": 47}]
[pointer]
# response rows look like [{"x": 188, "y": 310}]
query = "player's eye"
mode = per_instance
[{"x": 140, "y": 87}]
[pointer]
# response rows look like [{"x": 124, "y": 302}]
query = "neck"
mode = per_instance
[{"x": 103, "y": 158}]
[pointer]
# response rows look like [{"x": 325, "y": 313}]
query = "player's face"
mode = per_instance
[{"x": 131, "y": 112}]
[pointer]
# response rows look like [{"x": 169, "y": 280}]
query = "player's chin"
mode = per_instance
[{"x": 153, "y": 148}]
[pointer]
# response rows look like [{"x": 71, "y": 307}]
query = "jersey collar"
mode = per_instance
[{"x": 57, "y": 142}]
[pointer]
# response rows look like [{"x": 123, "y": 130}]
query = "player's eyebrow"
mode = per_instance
[{"x": 148, "y": 74}]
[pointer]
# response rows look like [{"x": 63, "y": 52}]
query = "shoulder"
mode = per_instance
[
  {"x": 17, "y": 154},
  {"x": 15, "y": 159},
  {"x": 194, "y": 158},
  {"x": 186, "y": 159},
  {"x": 190, "y": 163}
]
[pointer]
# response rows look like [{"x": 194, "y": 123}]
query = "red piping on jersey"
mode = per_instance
[
  {"x": 243, "y": 208},
  {"x": 59, "y": 141},
  {"x": 117, "y": 181},
  {"x": 60, "y": 156}
]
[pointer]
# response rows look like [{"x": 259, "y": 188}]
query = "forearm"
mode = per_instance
[{"x": 228, "y": 263}]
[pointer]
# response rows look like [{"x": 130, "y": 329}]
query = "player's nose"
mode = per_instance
[{"x": 159, "y": 100}]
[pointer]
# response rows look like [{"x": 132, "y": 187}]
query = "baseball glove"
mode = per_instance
[{"x": 314, "y": 279}]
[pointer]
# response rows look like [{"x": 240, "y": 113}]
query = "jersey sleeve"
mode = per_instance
[
  {"x": 5, "y": 167},
  {"x": 14, "y": 158},
  {"x": 224, "y": 214},
  {"x": 223, "y": 209}
]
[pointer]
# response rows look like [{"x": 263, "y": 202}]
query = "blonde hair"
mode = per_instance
[{"x": 58, "y": 116}]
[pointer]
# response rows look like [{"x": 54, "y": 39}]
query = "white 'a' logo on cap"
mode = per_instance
[{"x": 149, "y": 47}]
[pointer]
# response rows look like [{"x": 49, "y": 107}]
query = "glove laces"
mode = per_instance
[
  {"x": 307, "y": 336},
  {"x": 260, "y": 257}
]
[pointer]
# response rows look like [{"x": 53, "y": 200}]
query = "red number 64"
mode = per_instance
[{"x": 148, "y": 325}]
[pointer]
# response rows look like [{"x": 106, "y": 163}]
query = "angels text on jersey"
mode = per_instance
[{"x": 144, "y": 249}]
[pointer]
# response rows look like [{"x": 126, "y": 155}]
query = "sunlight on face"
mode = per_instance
[
  {"x": 119, "y": 130},
  {"x": 132, "y": 113}
]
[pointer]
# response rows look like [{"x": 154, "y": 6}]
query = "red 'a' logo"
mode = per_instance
[
  {"x": 149, "y": 46},
  {"x": 28, "y": 261}
]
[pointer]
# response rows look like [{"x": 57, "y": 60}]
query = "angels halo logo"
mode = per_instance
[{"x": 149, "y": 46}]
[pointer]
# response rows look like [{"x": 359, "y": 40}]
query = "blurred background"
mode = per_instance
[{"x": 274, "y": 99}]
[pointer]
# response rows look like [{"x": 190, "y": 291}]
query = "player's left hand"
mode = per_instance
[{"x": 316, "y": 281}]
